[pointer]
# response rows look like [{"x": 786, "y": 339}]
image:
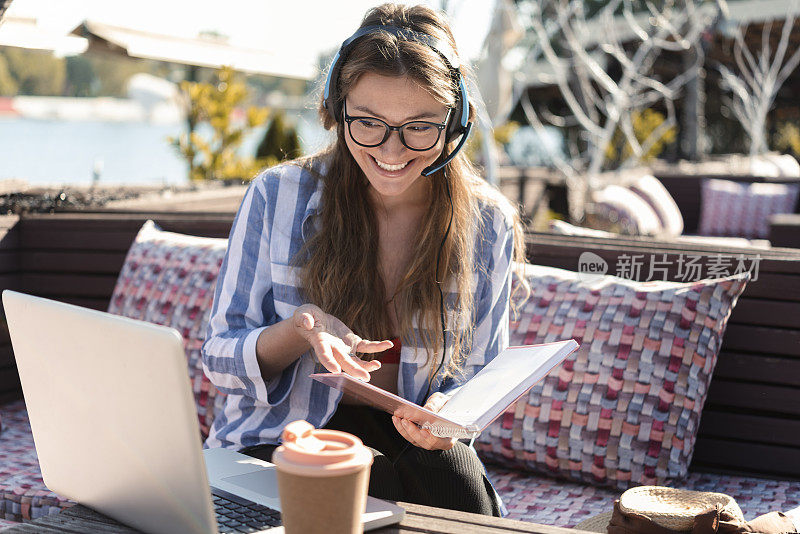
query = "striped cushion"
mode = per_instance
[
  {"x": 620, "y": 210},
  {"x": 657, "y": 197},
  {"x": 169, "y": 279},
  {"x": 624, "y": 409}
]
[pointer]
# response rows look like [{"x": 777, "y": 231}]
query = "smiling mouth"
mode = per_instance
[{"x": 388, "y": 167}]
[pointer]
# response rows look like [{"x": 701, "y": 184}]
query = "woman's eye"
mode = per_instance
[
  {"x": 366, "y": 123},
  {"x": 419, "y": 128}
]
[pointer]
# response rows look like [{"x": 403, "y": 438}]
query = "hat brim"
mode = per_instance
[{"x": 597, "y": 523}]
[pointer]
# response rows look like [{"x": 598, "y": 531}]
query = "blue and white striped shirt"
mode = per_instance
[{"x": 258, "y": 287}]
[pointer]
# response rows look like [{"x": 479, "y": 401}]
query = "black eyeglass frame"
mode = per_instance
[{"x": 399, "y": 129}]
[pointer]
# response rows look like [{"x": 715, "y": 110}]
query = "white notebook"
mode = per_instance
[{"x": 479, "y": 401}]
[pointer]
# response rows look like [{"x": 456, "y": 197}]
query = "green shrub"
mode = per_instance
[
  {"x": 216, "y": 158},
  {"x": 280, "y": 142}
]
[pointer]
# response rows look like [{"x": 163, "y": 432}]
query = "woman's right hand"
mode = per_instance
[{"x": 334, "y": 344}]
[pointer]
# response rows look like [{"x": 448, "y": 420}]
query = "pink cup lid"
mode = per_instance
[{"x": 319, "y": 452}]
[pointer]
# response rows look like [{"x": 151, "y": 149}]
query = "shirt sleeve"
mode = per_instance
[
  {"x": 243, "y": 305},
  {"x": 490, "y": 336}
]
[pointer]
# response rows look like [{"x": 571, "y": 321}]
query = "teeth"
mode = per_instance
[{"x": 387, "y": 167}]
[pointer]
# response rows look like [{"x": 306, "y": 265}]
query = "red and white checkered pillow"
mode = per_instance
[
  {"x": 169, "y": 279},
  {"x": 624, "y": 408}
]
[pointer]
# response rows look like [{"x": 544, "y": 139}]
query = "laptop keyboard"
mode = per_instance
[{"x": 235, "y": 514}]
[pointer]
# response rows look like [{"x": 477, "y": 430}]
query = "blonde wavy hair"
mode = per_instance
[{"x": 340, "y": 270}]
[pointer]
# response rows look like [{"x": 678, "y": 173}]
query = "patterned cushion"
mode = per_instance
[
  {"x": 733, "y": 209},
  {"x": 545, "y": 500},
  {"x": 169, "y": 279},
  {"x": 623, "y": 409},
  {"x": 23, "y": 494}
]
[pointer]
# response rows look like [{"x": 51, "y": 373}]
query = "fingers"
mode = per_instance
[
  {"x": 304, "y": 318},
  {"x": 366, "y": 346},
  {"x": 352, "y": 364},
  {"x": 334, "y": 344},
  {"x": 307, "y": 321},
  {"x": 369, "y": 347},
  {"x": 368, "y": 366},
  {"x": 357, "y": 367},
  {"x": 401, "y": 428},
  {"x": 420, "y": 437},
  {"x": 325, "y": 355},
  {"x": 436, "y": 401}
]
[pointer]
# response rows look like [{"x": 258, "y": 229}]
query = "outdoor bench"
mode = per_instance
[{"x": 748, "y": 442}]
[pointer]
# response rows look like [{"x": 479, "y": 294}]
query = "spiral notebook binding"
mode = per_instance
[{"x": 449, "y": 431}]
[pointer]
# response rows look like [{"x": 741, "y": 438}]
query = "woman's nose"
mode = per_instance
[{"x": 393, "y": 145}]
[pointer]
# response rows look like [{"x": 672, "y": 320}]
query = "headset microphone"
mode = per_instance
[{"x": 430, "y": 169}]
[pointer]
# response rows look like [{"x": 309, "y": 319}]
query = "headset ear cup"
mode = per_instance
[
  {"x": 331, "y": 94},
  {"x": 454, "y": 127},
  {"x": 457, "y": 124}
]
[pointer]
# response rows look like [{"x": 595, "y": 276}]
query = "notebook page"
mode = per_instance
[{"x": 510, "y": 374}]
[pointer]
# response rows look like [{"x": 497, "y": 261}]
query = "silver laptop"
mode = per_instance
[{"x": 115, "y": 426}]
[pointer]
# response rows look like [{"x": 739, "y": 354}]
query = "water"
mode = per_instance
[{"x": 50, "y": 152}]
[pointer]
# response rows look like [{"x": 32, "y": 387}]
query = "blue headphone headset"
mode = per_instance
[{"x": 459, "y": 122}]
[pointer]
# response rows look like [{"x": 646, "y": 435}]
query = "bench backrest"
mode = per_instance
[{"x": 750, "y": 423}]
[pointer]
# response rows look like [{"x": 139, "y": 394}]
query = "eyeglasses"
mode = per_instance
[{"x": 415, "y": 135}]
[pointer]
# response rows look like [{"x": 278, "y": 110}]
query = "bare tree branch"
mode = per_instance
[
  {"x": 563, "y": 166},
  {"x": 758, "y": 79},
  {"x": 656, "y": 135},
  {"x": 558, "y": 120},
  {"x": 560, "y": 68},
  {"x": 598, "y": 103}
]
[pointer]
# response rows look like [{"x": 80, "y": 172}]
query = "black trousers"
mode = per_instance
[{"x": 453, "y": 479}]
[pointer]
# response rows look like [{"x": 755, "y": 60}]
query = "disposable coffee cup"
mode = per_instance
[{"x": 323, "y": 477}]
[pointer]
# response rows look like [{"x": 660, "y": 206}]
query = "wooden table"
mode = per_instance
[{"x": 80, "y": 520}]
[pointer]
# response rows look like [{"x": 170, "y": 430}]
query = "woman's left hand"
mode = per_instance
[{"x": 420, "y": 437}]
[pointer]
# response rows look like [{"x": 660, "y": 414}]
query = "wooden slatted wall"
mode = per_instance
[
  {"x": 76, "y": 258},
  {"x": 784, "y": 230},
  {"x": 751, "y": 421}
]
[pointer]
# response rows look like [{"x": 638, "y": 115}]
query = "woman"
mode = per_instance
[{"x": 335, "y": 262}]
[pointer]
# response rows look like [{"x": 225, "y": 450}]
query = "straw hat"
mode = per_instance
[
  {"x": 670, "y": 508},
  {"x": 597, "y": 523}
]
